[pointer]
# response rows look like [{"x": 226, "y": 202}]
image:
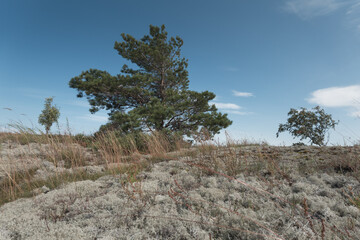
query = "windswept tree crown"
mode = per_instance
[
  {"x": 312, "y": 124},
  {"x": 155, "y": 95}
]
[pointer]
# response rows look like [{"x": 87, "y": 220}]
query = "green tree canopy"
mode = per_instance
[
  {"x": 309, "y": 124},
  {"x": 155, "y": 94},
  {"x": 49, "y": 114}
]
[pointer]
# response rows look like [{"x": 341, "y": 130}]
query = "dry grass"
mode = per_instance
[
  {"x": 233, "y": 160},
  {"x": 125, "y": 154},
  {"x": 229, "y": 160},
  {"x": 118, "y": 154},
  {"x": 352, "y": 197},
  {"x": 314, "y": 227}
]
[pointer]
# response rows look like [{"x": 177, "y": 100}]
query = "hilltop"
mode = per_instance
[{"x": 233, "y": 191}]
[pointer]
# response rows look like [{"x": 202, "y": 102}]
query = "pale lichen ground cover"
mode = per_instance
[{"x": 177, "y": 199}]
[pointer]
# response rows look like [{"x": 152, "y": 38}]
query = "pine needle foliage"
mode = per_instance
[{"x": 153, "y": 96}]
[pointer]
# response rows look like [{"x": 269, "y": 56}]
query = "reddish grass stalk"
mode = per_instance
[
  {"x": 308, "y": 216},
  {"x": 335, "y": 229},
  {"x": 322, "y": 229}
]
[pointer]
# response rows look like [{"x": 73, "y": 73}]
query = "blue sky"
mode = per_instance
[{"x": 260, "y": 58}]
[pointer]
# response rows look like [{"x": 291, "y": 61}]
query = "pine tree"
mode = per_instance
[{"x": 153, "y": 96}]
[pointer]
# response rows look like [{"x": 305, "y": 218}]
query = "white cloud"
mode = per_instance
[
  {"x": 337, "y": 96},
  {"x": 238, "y": 112},
  {"x": 242, "y": 94},
  {"x": 227, "y": 106},
  {"x": 95, "y": 118},
  {"x": 307, "y": 9},
  {"x": 355, "y": 114}
]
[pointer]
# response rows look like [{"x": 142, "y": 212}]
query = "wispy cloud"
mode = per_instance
[
  {"x": 232, "y": 106},
  {"x": 94, "y": 118},
  {"x": 355, "y": 114},
  {"x": 242, "y": 94},
  {"x": 307, "y": 9},
  {"x": 353, "y": 15},
  {"x": 217, "y": 98},
  {"x": 238, "y": 112},
  {"x": 338, "y": 97},
  {"x": 354, "y": 8}
]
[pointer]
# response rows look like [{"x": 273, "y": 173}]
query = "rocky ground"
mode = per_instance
[{"x": 244, "y": 192}]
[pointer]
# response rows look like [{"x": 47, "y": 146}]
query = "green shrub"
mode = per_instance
[
  {"x": 49, "y": 114},
  {"x": 309, "y": 124}
]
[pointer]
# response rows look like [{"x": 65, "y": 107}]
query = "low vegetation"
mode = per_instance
[
  {"x": 66, "y": 158},
  {"x": 49, "y": 115},
  {"x": 72, "y": 154},
  {"x": 308, "y": 124}
]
